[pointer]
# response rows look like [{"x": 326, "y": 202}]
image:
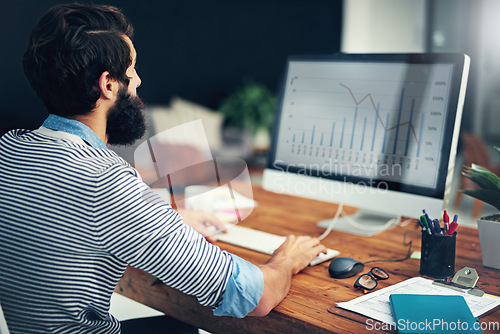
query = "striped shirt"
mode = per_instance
[{"x": 73, "y": 214}]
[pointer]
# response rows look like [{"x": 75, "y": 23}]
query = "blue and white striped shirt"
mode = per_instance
[{"x": 73, "y": 215}]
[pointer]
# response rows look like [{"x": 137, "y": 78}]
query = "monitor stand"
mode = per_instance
[{"x": 374, "y": 223}]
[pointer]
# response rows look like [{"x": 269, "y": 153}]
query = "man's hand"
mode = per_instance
[
  {"x": 290, "y": 258},
  {"x": 201, "y": 221},
  {"x": 298, "y": 252}
]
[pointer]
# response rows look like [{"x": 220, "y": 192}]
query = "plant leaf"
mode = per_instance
[
  {"x": 250, "y": 106},
  {"x": 482, "y": 177},
  {"x": 486, "y": 195}
]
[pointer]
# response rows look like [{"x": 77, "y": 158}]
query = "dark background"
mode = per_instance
[{"x": 198, "y": 50}]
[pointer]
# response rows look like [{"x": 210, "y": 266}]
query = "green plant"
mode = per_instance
[
  {"x": 488, "y": 182},
  {"x": 251, "y": 106}
]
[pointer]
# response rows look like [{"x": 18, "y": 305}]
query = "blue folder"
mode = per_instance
[{"x": 432, "y": 314}]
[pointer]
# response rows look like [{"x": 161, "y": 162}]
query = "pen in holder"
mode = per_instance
[{"x": 437, "y": 258}]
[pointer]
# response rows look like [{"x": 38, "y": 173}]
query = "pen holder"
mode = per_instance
[{"x": 437, "y": 258}]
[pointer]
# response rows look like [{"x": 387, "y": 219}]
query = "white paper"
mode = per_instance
[
  {"x": 213, "y": 199},
  {"x": 376, "y": 304}
]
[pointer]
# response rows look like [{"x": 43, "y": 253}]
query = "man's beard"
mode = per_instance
[{"x": 125, "y": 120}]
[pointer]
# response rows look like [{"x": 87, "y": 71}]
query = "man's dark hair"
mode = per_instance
[{"x": 69, "y": 49}]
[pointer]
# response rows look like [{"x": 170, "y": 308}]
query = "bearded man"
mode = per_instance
[{"x": 73, "y": 213}]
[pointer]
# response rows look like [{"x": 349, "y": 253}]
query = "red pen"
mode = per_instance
[
  {"x": 453, "y": 225},
  {"x": 446, "y": 221}
]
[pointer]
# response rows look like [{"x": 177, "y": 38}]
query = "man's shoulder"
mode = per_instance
[
  {"x": 62, "y": 153},
  {"x": 97, "y": 162},
  {"x": 15, "y": 137},
  {"x": 11, "y": 134}
]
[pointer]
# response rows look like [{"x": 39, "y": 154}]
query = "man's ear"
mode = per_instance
[{"x": 107, "y": 86}]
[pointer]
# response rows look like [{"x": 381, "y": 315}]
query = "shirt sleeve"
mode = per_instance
[
  {"x": 139, "y": 228},
  {"x": 243, "y": 291}
]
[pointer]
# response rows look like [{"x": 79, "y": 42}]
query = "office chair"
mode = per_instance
[{"x": 475, "y": 152}]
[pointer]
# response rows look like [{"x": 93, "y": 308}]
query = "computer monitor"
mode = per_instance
[{"x": 374, "y": 131}]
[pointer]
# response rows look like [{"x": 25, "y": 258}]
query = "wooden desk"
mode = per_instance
[{"x": 310, "y": 305}]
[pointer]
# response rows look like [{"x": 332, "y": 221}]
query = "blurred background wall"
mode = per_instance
[
  {"x": 196, "y": 49},
  {"x": 202, "y": 50}
]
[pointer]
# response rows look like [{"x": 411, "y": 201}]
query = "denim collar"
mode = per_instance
[{"x": 73, "y": 127}]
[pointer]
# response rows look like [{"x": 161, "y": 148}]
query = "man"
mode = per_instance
[{"x": 72, "y": 212}]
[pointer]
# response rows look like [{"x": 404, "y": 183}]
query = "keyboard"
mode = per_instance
[{"x": 263, "y": 242}]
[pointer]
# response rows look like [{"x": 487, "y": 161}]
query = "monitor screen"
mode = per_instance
[{"x": 378, "y": 132}]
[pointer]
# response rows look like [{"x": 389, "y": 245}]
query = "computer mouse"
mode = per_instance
[{"x": 344, "y": 267}]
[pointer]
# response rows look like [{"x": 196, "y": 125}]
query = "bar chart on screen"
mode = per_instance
[{"x": 352, "y": 115}]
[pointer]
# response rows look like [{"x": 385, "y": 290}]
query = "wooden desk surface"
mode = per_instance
[{"x": 310, "y": 305}]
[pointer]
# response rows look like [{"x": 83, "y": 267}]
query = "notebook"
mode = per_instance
[{"x": 432, "y": 314}]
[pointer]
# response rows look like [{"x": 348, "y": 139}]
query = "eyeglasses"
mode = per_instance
[{"x": 369, "y": 281}]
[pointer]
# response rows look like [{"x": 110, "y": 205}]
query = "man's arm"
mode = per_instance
[
  {"x": 201, "y": 221},
  {"x": 293, "y": 256}
]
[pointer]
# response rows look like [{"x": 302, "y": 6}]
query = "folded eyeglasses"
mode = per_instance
[{"x": 369, "y": 281}]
